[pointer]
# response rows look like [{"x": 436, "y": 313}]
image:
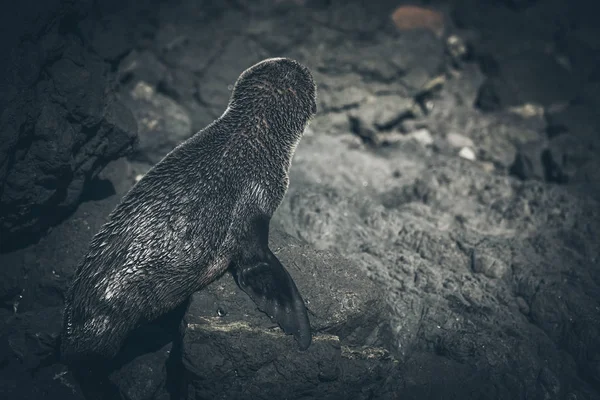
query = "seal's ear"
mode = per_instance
[{"x": 273, "y": 290}]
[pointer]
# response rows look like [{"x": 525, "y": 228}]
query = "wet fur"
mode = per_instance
[{"x": 183, "y": 224}]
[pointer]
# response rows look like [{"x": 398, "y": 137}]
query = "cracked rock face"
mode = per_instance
[
  {"x": 60, "y": 130},
  {"x": 231, "y": 350}
]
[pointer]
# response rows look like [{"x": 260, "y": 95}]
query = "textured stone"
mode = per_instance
[
  {"x": 231, "y": 349},
  {"x": 61, "y": 132},
  {"x": 162, "y": 123}
]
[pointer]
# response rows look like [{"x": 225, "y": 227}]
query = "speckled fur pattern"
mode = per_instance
[{"x": 177, "y": 229}]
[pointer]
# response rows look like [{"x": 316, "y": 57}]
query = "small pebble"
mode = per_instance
[
  {"x": 142, "y": 91},
  {"x": 422, "y": 136},
  {"x": 528, "y": 110},
  {"x": 488, "y": 166},
  {"x": 467, "y": 153},
  {"x": 457, "y": 140}
]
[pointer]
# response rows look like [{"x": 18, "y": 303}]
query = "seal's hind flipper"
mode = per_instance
[{"x": 273, "y": 290}]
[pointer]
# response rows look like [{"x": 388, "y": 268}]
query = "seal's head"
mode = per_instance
[{"x": 277, "y": 90}]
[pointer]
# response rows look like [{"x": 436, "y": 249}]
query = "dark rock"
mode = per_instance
[
  {"x": 278, "y": 35},
  {"x": 412, "y": 58},
  {"x": 565, "y": 157},
  {"x": 145, "y": 377},
  {"x": 488, "y": 64},
  {"x": 558, "y": 161},
  {"x": 162, "y": 123},
  {"x": 142, "y": 66},
  {"x": 497, "y": 136},
  {"x": 353, "y": 18},
  {"x": 555, "y": 130},
  {"x": 57, "y": 135},
  {"x": 414, "y": 238},
  {"x": 336, "y": 96},
  {"x": 374, "y": 63},
  {"x": 36, "y": 277},
  {"x": 115, "y": 27},
  {"x": 420, "y": 56},
  {"x": 182, "y": 47},
  {"x": 215, "y": 88},
  {"x": 490, "y": 266},
  {"x": 580, "y": 119},
  {"x": 529, "y": 78},
  {"x": 519, "y": 4},
  {"x": 178, "y": 84},
  {"x": 111, "y": 36},
  {"x": 10, "y": 289},
  {"x": 552, "y": 166},
  {"x": 232, "y": 350},
  {"x": 488, "y": 98},
  {"x": 382, "y": 113},
  {"x": 528, "y": 162},
  {"x": 25, "y": 340}
]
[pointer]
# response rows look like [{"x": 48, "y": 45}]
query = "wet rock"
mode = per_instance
[
  {"x": 231, "y": 349},
  {"x": 162, "y": 123}
]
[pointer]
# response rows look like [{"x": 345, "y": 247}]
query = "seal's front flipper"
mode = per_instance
[{"x": 271, "y": 287}]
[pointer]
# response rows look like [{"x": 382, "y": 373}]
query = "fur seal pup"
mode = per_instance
[{"x": 204, "y": 209}]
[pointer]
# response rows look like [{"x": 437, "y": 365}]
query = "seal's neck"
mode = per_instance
[{"x": 275, "y": 136}]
